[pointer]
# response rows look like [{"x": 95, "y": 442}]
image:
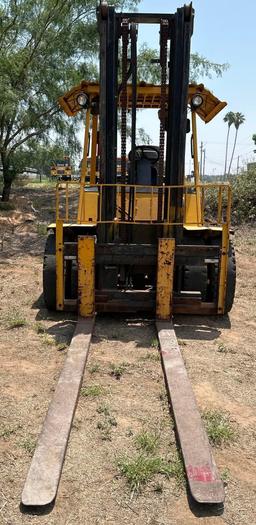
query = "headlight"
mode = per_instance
[
  {"x": 197, "y": 101},
  {"x": 82, "y": 100}
]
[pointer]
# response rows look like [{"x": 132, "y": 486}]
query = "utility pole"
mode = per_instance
[
  {"x": 204, "y": 153},
  {"x": 201, "y": 159}
]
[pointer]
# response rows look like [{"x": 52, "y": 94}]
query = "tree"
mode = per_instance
[
  {"x": 254, "y": 140},
  {"x": 239, "y": 119},
  {"x": 229, "y": 118},
  {"x": 200, "y": 67},
  {"x": 45, "y": 47}
]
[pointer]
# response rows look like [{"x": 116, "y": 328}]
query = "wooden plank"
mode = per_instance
[
  {"x": 203, "y": 477},
  {"x": 45, "y": 470}
]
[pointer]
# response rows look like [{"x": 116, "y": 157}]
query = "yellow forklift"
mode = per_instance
[
  {"x": 61, "y": 169},
  {"x": 145, "y": 241}
]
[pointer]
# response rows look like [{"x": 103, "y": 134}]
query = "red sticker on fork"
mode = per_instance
[{"x": 202, "y": 473}]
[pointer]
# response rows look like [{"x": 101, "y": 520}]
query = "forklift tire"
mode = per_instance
[
  {"x": 49, "y": 273},
  {"x": 231, "y": 279}
]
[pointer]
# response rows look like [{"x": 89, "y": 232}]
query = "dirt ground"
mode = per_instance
[{"x": 220, "y": 359}]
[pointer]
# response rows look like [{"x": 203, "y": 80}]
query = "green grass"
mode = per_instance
[
  {"x": 29, "y": 445},
  {"x": 147, "y": 441},
  {"x": 92, "y": 391},
  {"x": 39, "y": 328},
  {"x": 219, "y": 428},
  {"x": 222, "y": 348},
  {"x": 118, "y": 370},
  {"x": 141, "y": 469},
  {"x": 16, "y": 320},
  {"x": 107, "y": 422},
  {"x": 7, "y": 431},
  {"x": 41, "y": 228},
  {"x": 150, "y": 356},
  {"x": 154, "y": 343},
  {"x": 48, "y": 339},
  {"x": 93, "y": 369},
  {"x": 7, "y": 206}
]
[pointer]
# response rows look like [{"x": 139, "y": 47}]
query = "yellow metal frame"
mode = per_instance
[
  {"x": 86, "y": 276},
  {"x": 151, "y": 192},
  {"x": 164, "y": 287}
]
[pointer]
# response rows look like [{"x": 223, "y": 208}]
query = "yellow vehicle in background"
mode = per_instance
[{"x": 62, "y": 169}]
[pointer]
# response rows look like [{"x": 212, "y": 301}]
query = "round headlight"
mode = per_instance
[
  {"x": 197, "y": 101},
  {"x": 82, "y": 100}
]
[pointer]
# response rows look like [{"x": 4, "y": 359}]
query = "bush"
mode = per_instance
[{"x": 244, "y": 197}]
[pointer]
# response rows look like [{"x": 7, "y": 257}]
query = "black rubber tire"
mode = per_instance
[
  {"x": 49, "y": 273},
  {"x": 195, "y": 280},
  {"x": 231, "y": 279}
]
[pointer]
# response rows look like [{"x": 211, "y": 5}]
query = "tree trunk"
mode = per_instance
[
  {"x": 6, "y": 191},
  {"x": 226, "y": 154},
  {"x": 234, "y": 147},
  {"x": 8, "y": 178}
]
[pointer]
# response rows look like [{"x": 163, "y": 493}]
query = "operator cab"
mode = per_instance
[{"x": 146, "y": 165}]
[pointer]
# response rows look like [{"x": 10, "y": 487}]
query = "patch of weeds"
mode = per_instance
[
  {"x": 7, "y": 206},
  {"x": 103, "y": 409},
  {"x": 15, "y": 320},
  {"x": 181, "y": 342},
  {"x": 93, "y": 369},
  {"x": 140, "y": 470},
  {"x": 219, "y": 427},
  {"x": 39, "y": 328},
  {"x": 150, "y": 356},
  {"x": 61, "y": 346},
  {"x": 158, "y": 488},
  {"x": 6, "y": 432},
  {"x": 29, "y": 445},
  {"x": 222, "y": 348},
  {"x": 118, "y": 370},
  {"x": 48, "y": 339},
  {"x": 105, "y": 429},
  {"x": 147, "y": 441},
  {"x": 177, "y": 471},
  {"x": 108, "y": 421},
  {"x": 154, "y": 343},
  {"x": 92, "y": 391},
  {"x": 225, "y": 476},
  {"x": 41, "y": 228}
]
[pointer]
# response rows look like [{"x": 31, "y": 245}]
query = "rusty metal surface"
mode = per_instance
[
  {"x": 164, "y": 287},
  {"x": 202, "y": 474},
  {"x": 86, "y": 275},
  {"x": 45, "y": 470}
]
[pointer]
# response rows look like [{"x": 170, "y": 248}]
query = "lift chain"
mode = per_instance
[
  {"x": 164, "y": 34},
  {"x": 123, "y": 102}
]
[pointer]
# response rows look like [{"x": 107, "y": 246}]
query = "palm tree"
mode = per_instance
[
  {"x": 229, "y": 118},
  {"x": 239, "y": 119}
]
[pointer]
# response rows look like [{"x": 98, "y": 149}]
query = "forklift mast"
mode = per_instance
[{"x": 118, "y": 31}]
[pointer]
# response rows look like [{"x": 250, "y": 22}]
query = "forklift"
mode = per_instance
[{"x": 140, "y": 241}]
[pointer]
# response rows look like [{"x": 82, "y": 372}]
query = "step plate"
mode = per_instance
[
  {"x": 202, "y": 474},
  {"x": 45, "y": 470}
]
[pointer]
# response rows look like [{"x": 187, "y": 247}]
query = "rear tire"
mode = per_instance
[
  {"x": 231, "y": 279},
  {"x": 49, "y": 273}
]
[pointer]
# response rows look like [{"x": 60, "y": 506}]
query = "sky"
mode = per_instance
[{"x": 224, "y": 31}]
